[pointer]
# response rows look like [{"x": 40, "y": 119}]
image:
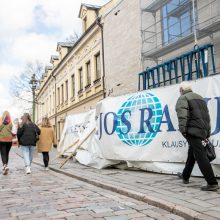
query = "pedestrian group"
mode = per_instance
[{"x": 29, "y": 136}]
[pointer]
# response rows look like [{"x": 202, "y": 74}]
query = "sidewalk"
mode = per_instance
[{"x": 164, "y": 191}]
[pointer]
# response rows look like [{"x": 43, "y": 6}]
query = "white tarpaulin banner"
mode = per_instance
[
  {"x": 142, "y": 128},
  {"x": 76, "y": 127}
]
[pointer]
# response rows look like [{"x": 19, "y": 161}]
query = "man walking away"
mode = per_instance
[{"x": 194, "y": 124}]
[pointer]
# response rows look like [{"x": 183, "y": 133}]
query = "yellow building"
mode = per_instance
[{"x": 74, "y": 81}]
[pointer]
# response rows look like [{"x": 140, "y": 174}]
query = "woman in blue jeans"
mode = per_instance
[{"x": 27, "y": 135}]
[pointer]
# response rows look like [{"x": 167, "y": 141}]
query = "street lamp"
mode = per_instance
[{"x": 33, "y": 82}]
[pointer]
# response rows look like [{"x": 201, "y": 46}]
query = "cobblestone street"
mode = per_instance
[
  {"x": 165, "y": 191},
  {"x": 49, "y": 195}
]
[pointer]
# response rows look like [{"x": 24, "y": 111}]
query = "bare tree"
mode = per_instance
[
  {"x": 20, "y": 85},
  {"x": 73, "y": 38}
]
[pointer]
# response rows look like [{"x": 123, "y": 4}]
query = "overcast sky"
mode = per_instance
[{"x": 29, "y": 31}]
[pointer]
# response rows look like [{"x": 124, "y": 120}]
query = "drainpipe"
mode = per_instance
[{"x": 98, "y": 22}]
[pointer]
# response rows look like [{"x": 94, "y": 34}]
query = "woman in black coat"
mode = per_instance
[{"x": 27, "y": 135}]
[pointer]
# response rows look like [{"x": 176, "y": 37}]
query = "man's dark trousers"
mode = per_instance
[{"x": 197, "y": 153}]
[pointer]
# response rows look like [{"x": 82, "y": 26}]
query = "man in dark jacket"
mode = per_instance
[{"x": 194, "y": 124}]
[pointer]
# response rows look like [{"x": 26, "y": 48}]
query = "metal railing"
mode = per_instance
[{"x": 191, "y": 65}]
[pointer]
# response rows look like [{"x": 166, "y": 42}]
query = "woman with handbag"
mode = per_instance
[
  {"x": 5, "y": 140},
  {"x": 47, "y": 139},
  {"x": 28, "y": 135}
]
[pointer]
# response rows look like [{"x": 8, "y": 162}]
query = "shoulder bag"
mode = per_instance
[{"x": 209, "y": 149}]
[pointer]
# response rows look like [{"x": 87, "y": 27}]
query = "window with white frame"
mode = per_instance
[
  {"x": 67, "y": 90},
  {"x": 177, "y": 16},
  {"x": 98, "y": 66},
  {"x": 88, "y": 73},
  {"x": 62, "y": 94},
  {"x": 80, "y": 79},
  {"x": 53, "y": 102},
  {"x": 50, "y": 104},
  {"x": 73, "y": 85},
  {"x": 58, "y": 96},
  {"x": 85, "y": 25}
]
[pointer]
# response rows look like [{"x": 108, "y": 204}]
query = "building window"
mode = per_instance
[
  {"x": 48, "y": 106},
  {"x": 50, "y": 103},
  {"x": 73, "y": 85},
  {"x": 46, "y": 109},
  {"x": 58, "y": 96},
  {"x": 80, "y": 79},
  {"x": 88, "y": 73},
  {"x": 62, "y": 94},
  {"x": 97, "y": 66},
  {"x": 59, "y": 132},
  {"x": 177, "y": 20},
  {"x": 53, "y": 102},
  {"x": 85, "y": 24},
  {"x": 66, "y": 90}
]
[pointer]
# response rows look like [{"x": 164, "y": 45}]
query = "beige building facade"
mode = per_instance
[{"x": 74, "y": 81}]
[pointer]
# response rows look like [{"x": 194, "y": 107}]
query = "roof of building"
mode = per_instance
[
  {"x": 48, "y": 68},
  {"x": 92, "y": 6},
  {"x": 89, "y": 6},
  {"x": 55, "y": 57},
  {"x": 65, "y": 44}
]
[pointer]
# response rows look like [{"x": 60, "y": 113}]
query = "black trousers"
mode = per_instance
[
  {"x": 46, "y": 158},
  {"x": 5, "y": 148},
  {"x": 197, "y": 153}
]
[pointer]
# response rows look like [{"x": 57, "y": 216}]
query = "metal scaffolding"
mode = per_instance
[
  {"x": 202, "y": 21},
  {"x": 167, "y": 26}
]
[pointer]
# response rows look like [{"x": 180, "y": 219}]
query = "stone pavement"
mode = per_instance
[
  {"x": 165, "y": 191},
  {"x": 50, "y": 195}
]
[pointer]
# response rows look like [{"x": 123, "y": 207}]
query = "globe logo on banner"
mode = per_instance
[{"x": 134, "y": 104}]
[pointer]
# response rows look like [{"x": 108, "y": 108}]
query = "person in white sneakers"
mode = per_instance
[
  {"x": 28, "y": 135},
  {"x": 5, "y": 140},
  {"x": 47, "y": 139}
]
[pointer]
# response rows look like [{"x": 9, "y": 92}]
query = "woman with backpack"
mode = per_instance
[
  {"x": 5, "y": 140},
  {"x": 47, "y": 139},
  {"x": 28, "y": 135}
]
